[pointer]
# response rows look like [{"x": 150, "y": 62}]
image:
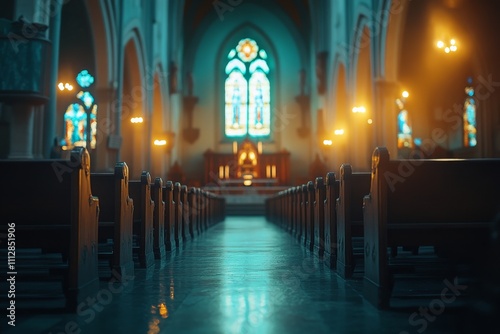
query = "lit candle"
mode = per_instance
[
  {"x": 235, "y": 147},
  {"x": 259, "y": 147}
]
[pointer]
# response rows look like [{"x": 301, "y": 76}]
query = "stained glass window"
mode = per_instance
[
  {"x": 404, "y": 127},
  {"x": 79, "y": 114},
  {"x": 236, "y": 104},
  {"x": 470, "y": 129},
  {"x": 247, "y": 91},
  {"x": 75, "y": 120}
]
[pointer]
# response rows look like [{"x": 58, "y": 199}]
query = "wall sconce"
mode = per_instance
[
  {"x": 136, "y": 120},
  {"x": 166, "y": 142},
  {"x": 65, "y": 86},
  {"x": 359, "y": 109},
  {"x": 160, "y": 142},
  {"x": 451, "y": 46}
]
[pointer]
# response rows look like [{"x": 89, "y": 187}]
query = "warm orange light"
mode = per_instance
[
  {"x": 327, "y": 142},
  {"x": 163, "y": 310},
  {"x": 339, "y": 132},
  {"x": 160, "y": 142},
  {"x": 137, "y": 120},
  {"x": 360, "y": 109},
  {"x": 370, "y": 121},
  {"x": 448, "y": 47},
  {"x": 247, "y": 183},
  {"x": 65, "y": 86},
  {"x": 405, "y": 94}
]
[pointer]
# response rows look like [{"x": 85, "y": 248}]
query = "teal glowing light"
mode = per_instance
[{"x": 84, "y": 79}]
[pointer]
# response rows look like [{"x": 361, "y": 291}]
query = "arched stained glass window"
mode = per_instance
[
  {"x": 247, "y": 91},
  {"x": 470, "y": 109},
  {"x": 78, "y": 115}
]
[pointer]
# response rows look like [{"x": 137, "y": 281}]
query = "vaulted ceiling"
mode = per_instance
[{"x": 198, "y": 12}]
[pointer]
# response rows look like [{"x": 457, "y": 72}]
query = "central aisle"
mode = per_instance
[{"x": 244, "y": 275}]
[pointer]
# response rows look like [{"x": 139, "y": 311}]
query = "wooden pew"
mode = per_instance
[
  {"x": 185, "y": 214},
  {"x": 319, "y": 217},
  {"x": 193, "y": 212},
  {"x": 310, "y": 215},
  {"x": 177, "y": 214},
  {"x": 168, "y": 198},
  {"x": 51, "y": 204},
  {"x": 331, "y": 195},
  {"x": 353, "y": 188},
  {"x": 448, "y": 204},
  {"x": 140, "y": 192},
  {"x": 199, "y": 214},
  {"x": 115, "y": 218},
  {"x": 159, "y": 249}
]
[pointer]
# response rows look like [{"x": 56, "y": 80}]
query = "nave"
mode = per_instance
[{"x": 243, "y": 275}]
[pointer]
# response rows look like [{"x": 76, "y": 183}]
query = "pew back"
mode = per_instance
[{"x": 52, "y": 206}]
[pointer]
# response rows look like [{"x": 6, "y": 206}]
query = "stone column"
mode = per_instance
[
  {"x": 21, "y": 133},
  {"x": 385, "y": 116},
  {"x": 50, "y": 114}
]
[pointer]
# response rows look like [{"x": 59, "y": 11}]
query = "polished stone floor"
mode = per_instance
[{"x": 244, "y": 275}]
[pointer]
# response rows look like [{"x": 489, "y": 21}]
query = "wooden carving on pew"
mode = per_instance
[
  {"x": 140, "y": 192},
  {"x": 59, "y": 216},
  {"x": 331, "y": 195},
  {"x": 158, "y": 220},
  {"x": 115, "y": 218},
  {"x": 448, "y": 204},
  {"x": 353, "y": 188}
]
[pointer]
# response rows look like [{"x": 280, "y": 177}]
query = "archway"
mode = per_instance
[
  {"x": 362, "y": 113},
  {"x": 340, "y": 125},
  {"x": 159, "y": 163},
  {"x": 133, "y": 118}
]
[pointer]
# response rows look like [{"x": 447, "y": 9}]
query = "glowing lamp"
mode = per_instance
[
  {"x": 358, "y": 110},
  {"x": 136, "y": 120},
  {"x": 160, "y": 142}
]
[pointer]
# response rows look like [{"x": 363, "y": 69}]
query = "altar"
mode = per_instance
[{"x": 247, "y": 166}]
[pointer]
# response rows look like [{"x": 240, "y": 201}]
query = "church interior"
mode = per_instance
[{"x": 239, "y": 110}]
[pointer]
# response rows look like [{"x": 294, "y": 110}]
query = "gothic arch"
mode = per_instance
[
  {"x": 264, "y": 41},
  {"x": 104, "y": 36},
  {"x": 134, "y": 102},
  {"x": 361, "y": 123}
]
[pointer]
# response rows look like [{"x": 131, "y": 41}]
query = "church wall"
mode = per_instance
[{"x": 208, "y": 60}]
